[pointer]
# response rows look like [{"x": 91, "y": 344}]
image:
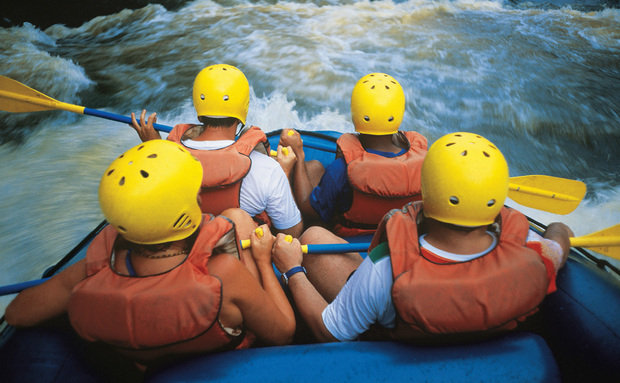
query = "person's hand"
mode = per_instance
[
  {"x": 145, "y": 130},
  {"x": 286, "y": 158},
  {"x": 262, "y": 242},
  {"x": 560, "y": 233},
  {"x": 286, "y": 252},
  {"x": 292, "y": 138}
]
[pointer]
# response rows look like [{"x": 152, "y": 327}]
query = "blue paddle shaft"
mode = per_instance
[
  {"x": 167, "y": 129},
  {"x": 120, "y": 118},
  {"x": 338, "y": 248},
  {"x": 17, "y": 287}
]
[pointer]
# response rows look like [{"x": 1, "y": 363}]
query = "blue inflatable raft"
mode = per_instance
[{"x": 574, "y": 338}]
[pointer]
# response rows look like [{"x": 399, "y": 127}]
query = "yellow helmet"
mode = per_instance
[
  {"x": 464, "y": 180},
  {"x": 221, "y": 91},
  {"x": 377, "y": 104},
  {"x": 149, "y": 193}
]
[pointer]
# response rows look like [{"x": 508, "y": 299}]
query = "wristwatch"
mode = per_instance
[{"x": 291, "y": 272}]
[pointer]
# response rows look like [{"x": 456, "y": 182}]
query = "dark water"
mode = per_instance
[{"x": 541, "y": 80}]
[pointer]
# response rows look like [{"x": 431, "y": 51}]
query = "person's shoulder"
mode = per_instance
[
  {"x": 224, "y": 265},
  {"x": 263, "y": 161},
  {"x": 379, "y": 253}
]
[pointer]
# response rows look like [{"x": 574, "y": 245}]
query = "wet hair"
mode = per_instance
[
  {"x": 212, "y": 122},
  {"x": 138, "y": 248}
]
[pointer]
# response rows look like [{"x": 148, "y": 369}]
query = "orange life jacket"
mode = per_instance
[
  {"x": 155, "y": 316},
  {"x": 225, "y": 168},
  {"x": 490, "y": 293},
  {"x": 379, "y": 183}
]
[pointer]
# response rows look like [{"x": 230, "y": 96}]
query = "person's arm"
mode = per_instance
[
  {"x": 291, "y": 138},
  {"x": 280, "y": 203},
  {"x": 46, "y": 301},
  {"x": 293, "y": 231},
  {"x": 561, "y": 234},
  {"x": 309, "y": 302},
  {"x": 287, "y": 161},
  {"x": 262, "y": 242},
  {"x": 302, "y": 186},
  {"x": 246, "y": 303},
  {"x": 145, "y": 130}
]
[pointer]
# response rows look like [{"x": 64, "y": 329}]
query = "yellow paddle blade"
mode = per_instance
[
  {"x": 16, "y": 97},
  {"x": 606, "y": 242},
  {"x": 553, "y": 194}
]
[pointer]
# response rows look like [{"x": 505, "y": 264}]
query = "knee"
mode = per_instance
[
  {"x": 315, "y": 166},
  {"x": 318, "y": 234},
  {"x": 315, "y": 171},
  {"x": 237, "y": 215}
]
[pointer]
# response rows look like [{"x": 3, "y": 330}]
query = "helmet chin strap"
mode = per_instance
[{"x": 239, "y": 129}]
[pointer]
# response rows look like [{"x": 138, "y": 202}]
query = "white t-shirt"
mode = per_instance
[
  {"x": 264, "y": 188},
  {"x": 366, "y": 298}
]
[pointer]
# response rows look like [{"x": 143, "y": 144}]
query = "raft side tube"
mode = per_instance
[{"x": 517, "y": 357}]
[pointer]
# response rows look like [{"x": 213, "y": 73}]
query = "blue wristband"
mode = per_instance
[{"x": 291, "y": 272}]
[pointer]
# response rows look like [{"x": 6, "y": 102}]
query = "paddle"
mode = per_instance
[
  {"x": 605, "y": 242},
  {"x": 552, "y": 194},
  {"x": 16, "y": 97},
  {"x": 317, "y": 248}
]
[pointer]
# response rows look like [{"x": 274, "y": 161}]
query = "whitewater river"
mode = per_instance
[{"x": 541, "y": 81}]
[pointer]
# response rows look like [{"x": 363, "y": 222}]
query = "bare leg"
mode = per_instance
[
  {"x": 328, "y": 272},
  {"x": 315, "y": 171},
  {"x": 244, "y": 225}
]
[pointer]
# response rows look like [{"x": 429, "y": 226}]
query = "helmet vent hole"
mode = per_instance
[
  {"x": 391, "y": 119},
  {"x": 122, "y": 181},
  {"x": 450, "y": 144},
  {"x": 110, "y": 172},
  {"x": 141, "y": 146},
  {"x": 226, "y": 98},
  {"x": 183, "y": 221},
  {"x": 202, "y": 97},
  {"x": 486, "y": 154},
  {"x": 366, "y": 118},
  {"x": 387, "y": 87},
  {"x": 372, "y": 87},
  {"x": 144, "y": 174},
  {"x": 154, "y": 155},
  {"x": 454, "y": 200},
  {"x": 491, "y": 203},
  {"x": 458, "y": 135},
  {"x": 464, "y": 153}
]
